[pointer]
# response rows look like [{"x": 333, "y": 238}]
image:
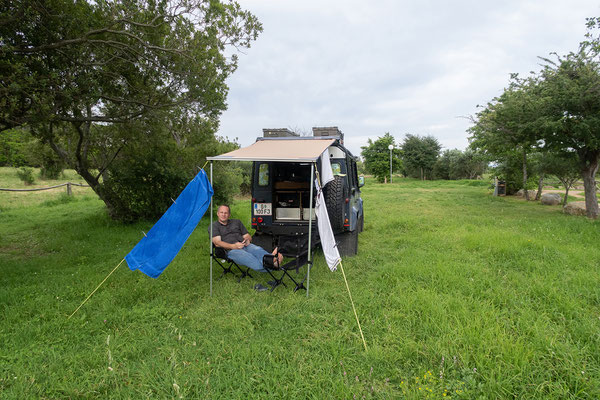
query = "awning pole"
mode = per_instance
[
  {"x": 211, "y": 227},
  {"x": 310, "y": 214}
]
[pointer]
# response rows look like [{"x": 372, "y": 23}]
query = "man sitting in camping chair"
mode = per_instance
[{"x": 233, "y": 237}]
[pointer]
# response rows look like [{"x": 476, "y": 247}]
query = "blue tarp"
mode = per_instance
[{"x": 162, "y": 243}]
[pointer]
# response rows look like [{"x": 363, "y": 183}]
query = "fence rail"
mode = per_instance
[{"x": 68, "y": 185}]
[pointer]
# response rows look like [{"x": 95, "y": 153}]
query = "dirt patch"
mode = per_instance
[{"x": 573, "y": 192}]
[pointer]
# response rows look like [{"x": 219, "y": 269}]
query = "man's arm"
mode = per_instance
[
  {"x": 228, "y": 246},
  {"x": 247, "y": 239}
]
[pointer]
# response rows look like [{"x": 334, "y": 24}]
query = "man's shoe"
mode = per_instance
[{"x": 260, "y": 288}]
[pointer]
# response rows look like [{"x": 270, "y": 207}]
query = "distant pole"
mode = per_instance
[{"x": 391, "y": 147}]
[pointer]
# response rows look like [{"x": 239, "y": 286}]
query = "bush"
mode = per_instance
[
  {"x": 150, "y": 172},
  {"x": 142, "y": 184},
  {"x": 26, "y": 175},
  {"x": 14, "y": 144}
]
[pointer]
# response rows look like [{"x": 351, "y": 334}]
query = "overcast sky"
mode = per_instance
[{"x": 382, "y": 66}]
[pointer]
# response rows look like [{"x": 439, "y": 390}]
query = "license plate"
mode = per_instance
[{"x": 262, "y": 208}]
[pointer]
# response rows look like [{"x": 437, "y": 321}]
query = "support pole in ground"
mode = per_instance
[
  {"x": 312, "y": 176},
  {"x": 211, "y": 227},
  {"x": 69, "y": 192},
  {"x": 91, "y": 294}
]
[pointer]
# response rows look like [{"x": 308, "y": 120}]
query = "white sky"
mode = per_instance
[{"x": 390, "y": 66}]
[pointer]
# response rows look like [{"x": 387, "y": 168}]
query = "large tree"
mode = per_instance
[
  {"x": 377, "y": 156},
  {"x": 572, "y": 116},
  {"x": 509, "y": 123},
  {"x": 419, "y": 155},
  {"x": 74, "y": 71}
]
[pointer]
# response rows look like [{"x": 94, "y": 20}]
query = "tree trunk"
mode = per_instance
[
  {"x": 566, "y": 196},
  {"x": 540, "y": 185},
  {"x": 589, "y": 167},
  {"x": 589, "y": 185},
  {"x": 525, "y": 175}
]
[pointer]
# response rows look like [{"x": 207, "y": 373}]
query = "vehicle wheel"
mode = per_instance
[
  {"x": 348, "y": 243},
  {"x": 335, "y": 202}
]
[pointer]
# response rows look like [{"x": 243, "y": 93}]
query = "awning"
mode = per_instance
[{"x": 287, "y": 150}]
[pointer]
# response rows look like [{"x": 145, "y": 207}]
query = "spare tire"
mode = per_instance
[{"x": 335, "y": 200}]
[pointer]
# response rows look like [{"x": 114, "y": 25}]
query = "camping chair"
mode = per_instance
[
  {"x": 300, "y": 257},
  {"x": 220, "y": 256}
]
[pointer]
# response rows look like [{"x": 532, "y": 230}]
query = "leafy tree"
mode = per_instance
[
  {"x": 419, "y": 155},
  {"x": 572, "y": 116},
  {"x": 557, "y": 110},
  {"x": 509, "y": 169},
  {"x": 376, "y": 156},
  {"x": 470, "y": 165},
  {"x": 444, "y": 164},
  {"x": 94, "y": 79},
  {"x": 456, "y": 164},
  {"x": 510, "y": 122},
  {"x": 14, "y": 145},
  {"x": 565, "y": 167}
]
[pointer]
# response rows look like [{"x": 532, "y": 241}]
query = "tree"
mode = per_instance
[
  {"x": 445, "y": 163},
  {"x": 93, "y": 79},
  {"x": 377, "y": 156},
  {"x": 565, "y": 167},
  {"x": 572, "y": 118},
  {"x": 419, "y": 155},
  {"x": 456, "y": 164},
  {"x": 557, "y": 110},
  {"x": 510, "y": 122}
]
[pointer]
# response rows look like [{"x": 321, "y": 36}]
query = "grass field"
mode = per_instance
[{"x": 460, "y": 295}]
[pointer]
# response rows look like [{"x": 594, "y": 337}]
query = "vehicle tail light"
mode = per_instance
[
  {"x": 253, "y": 219},
  {"x": 260, "y": 219},
  {"x": 347, "y": 200}
]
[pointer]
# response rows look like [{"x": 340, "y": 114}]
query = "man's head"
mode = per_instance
[{"x": 223, "y": 213}]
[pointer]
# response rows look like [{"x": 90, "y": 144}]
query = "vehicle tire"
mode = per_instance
[
  {"x": 335, "y": 202},
  {"x": 348, "y": 243}
]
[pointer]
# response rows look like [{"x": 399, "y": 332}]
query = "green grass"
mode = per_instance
[{"x": 459, "y": 294}]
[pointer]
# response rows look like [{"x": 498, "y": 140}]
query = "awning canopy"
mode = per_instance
[{"x": 286, "y": 150}]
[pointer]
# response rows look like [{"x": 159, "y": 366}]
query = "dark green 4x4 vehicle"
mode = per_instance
[{"x": 281, "y": 196}]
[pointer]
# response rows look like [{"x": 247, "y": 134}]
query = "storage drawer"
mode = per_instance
[
  {"x": 305, "y": 214},
  {"x": 287, "y": 213}
]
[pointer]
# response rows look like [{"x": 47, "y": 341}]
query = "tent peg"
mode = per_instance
[{"x": 144, "y": 233}]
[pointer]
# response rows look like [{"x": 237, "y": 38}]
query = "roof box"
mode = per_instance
[
  {"x": 278, "y": 132},
  {"x": 332, "y": 131}
]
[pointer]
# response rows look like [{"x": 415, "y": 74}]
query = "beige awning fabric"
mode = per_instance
[{"x": 287, "y": 150}]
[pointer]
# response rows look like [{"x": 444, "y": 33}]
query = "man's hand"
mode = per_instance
[{"x": 239, "y": 245}]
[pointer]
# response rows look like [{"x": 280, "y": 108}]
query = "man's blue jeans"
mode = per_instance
[{"x": 250, "y": 256}]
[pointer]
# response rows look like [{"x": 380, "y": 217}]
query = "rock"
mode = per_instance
[
  {"x": 550, "y": 199},
  {"x": 532, "y": 193},
  {"x": 575, "y": 208}
]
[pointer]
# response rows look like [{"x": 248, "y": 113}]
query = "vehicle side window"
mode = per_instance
[
  {"x": 336, "y": 168},
  {"x": 263, "y": 175}
]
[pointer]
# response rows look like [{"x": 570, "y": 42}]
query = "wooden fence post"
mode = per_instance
[{"x": 69, "y": 193}]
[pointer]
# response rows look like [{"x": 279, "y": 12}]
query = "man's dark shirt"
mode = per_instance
[{"x": 231, "y": 233}]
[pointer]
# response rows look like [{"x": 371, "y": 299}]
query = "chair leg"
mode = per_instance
[{"x": 226, "y": 270}]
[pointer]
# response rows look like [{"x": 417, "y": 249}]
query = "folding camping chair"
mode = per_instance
[
  {"x": 220, "y": 256},
  {"x": 300, "y": 257}
]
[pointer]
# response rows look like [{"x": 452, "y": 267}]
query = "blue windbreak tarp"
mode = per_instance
[{"x": 160, "y": 246}]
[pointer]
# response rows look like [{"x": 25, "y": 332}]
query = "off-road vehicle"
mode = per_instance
[{"x": 281, "y": 197}]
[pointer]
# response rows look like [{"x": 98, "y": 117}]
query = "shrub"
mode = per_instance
[{"x": 26, "y": 175}]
